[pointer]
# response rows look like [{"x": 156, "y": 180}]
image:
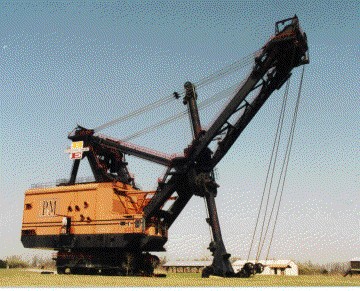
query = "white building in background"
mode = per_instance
[
  {"x": 272, "y": 267},
  {"x": 186, "y": 266}
]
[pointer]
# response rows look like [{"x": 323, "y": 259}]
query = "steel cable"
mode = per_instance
[
  {"x": 277, "y": 140},
  {"x": 202, "y": 105},
  {"x": 232, "y": 68},
  {"x": 286, "y": 159},
  {"x": 274, "y": 149}
]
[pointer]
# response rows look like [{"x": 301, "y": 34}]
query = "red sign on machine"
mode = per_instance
[
  {"x": 76, "y": 156},
  {"x": 76, "y": 150}
]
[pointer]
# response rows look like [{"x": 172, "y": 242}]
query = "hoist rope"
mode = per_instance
[
  {"x": 274, "y": 148},
  {"x": 275, "y": 155},
  {"x": 232, "y": 68},
  {"x": 281, "y": 180},
  {"x": 287, "y": 158}
]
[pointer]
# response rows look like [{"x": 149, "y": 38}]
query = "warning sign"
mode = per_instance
[
  {"x": 76, "y": 156},
  {"x": 77, "y": 144},
  {"x": 76, "y": 150}
]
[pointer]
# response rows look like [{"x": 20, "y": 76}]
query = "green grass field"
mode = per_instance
[{"x": 23, "y": 278}]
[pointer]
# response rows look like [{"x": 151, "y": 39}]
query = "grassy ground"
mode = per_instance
[{"x": 23, "y": 278}]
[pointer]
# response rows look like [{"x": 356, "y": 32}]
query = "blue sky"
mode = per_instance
[{"x": 88, "y": 62}]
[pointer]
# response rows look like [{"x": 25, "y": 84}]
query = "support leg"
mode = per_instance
[{"x": 221, "y": 265}]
